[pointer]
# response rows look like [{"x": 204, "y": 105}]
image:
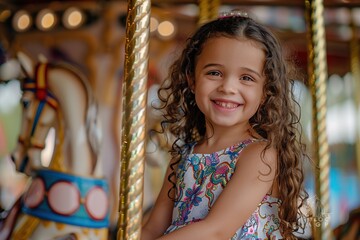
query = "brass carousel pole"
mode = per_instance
[
  {"x": 317, "y": 71},
  {"x": 208, "y": 10},
  {"x": 355, "y": 69},
  {"x": 133, "y": 120}
]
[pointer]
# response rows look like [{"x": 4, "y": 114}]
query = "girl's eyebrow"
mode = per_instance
[
  {"x": 246, "y": 68},
  {"x": 212, "y": 65}
]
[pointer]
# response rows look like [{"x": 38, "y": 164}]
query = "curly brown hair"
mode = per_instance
[{"x": 276, "y": 119}]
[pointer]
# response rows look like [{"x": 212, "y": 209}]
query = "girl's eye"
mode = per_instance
[
  {"x": 247, "y": 78},
  {"x": 214, "y": 73}
]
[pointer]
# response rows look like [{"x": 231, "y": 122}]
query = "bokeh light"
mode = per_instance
[
  {"x": 22, "y": 21},
  {"x": 46, "y": 19},
  {"x": 73, "y": 18}
]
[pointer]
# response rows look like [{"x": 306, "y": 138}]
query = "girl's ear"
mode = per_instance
[{"x": 263, "y": 99}]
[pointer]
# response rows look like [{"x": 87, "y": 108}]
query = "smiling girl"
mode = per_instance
[{"x": 236, "y": 168}]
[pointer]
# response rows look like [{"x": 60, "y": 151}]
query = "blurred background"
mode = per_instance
[{"x": 91, "y": 34}]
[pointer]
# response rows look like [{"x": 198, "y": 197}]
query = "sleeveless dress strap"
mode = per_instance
[{"x": 248, "y": 141}]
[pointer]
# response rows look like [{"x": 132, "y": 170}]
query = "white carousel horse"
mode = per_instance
[{"x": 70, "y": 198}]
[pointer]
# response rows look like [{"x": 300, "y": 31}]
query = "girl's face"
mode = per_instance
[{"x": 229, "y": 81}]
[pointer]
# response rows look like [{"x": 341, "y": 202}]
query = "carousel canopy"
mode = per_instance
[{"x": 327, "y": 3}]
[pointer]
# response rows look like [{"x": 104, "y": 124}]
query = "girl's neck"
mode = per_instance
[{"x": 220, "y": 139}]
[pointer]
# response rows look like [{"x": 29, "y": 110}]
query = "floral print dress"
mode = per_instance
[{"x": 201, "y": 179}]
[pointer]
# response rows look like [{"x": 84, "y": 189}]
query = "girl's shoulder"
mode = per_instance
[{"x": 258, "y": 154}]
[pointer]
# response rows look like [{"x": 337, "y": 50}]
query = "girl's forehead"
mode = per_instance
[
  {"x": 221, "y": 41},
  {"x": 240, "y": 39},
  {"x": 236, "y": 48}
]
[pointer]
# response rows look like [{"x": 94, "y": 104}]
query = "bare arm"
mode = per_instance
[
  {"x": 239, "y": 199},
  {"x": 160, "y": 217}
]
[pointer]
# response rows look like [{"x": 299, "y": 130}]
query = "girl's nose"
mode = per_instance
[{"x": 227, "y": 85}]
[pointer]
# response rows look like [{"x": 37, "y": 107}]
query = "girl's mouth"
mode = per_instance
[{"x": 228, "y": 105}]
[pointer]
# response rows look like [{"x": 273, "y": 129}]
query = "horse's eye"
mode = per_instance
[{"x": 25, "y": 103}]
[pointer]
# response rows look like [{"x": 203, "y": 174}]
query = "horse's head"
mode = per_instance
[
  {"x": 46, "y": 86},
  {"x": 39, "y": 111}
]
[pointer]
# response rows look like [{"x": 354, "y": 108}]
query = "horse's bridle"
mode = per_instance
[{"x": 38, "y": 86}]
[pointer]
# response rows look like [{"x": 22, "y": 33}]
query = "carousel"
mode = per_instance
[{"x": 79, "y": 157}]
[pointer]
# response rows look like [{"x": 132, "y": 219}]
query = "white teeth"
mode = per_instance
[{"x": 227, "y": 104}]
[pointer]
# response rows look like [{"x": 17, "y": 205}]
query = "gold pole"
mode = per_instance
[
  {"x": 214, "y": 9},
  {"x": 208, "y": 10},
  {"x": 133, "y": 121},
  {"x": 355, "y": 69},
  {"x": 317, "y": 70}
]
